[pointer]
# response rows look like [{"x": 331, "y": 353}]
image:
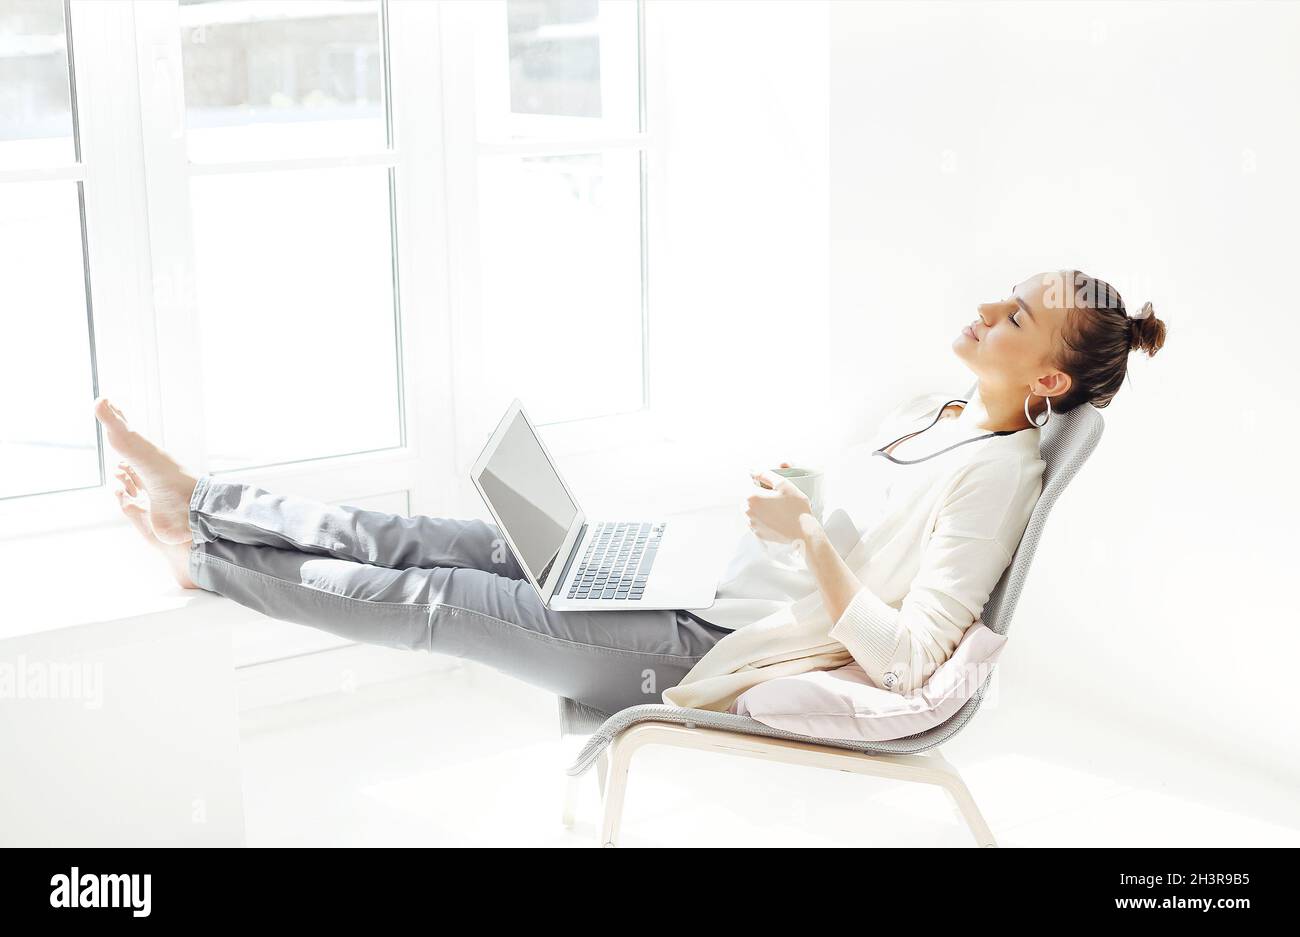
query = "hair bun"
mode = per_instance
[{"x": 1145, "y": 331}]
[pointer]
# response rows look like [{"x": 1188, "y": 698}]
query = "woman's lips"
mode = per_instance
[{"x": 968, "y": 331}]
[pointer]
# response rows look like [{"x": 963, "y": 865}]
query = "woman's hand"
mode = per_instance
[{"x": 781, "y": 514}]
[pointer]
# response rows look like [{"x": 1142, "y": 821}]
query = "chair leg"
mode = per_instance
[
  {"x": 602, "y": 773},
  {"x": 614, "y": 790},
  {"x": 971, "y": 812},
  {"x": 960, "y": 795},
  {"x": 570, "y": 801},
  {"x": 573, "y": 786}
]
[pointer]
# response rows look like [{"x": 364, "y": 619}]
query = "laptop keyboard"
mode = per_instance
[{"x": 617, "y": 561}]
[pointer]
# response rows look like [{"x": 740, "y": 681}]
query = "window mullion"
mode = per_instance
[
  {"x": 384, "y": 158},
  {"x": 461, "y": 227},
  {"x": 166, "y": 173},
  {"x": 71, "y": 172},
  {"x": 116, "y": 231},
  {"x": 563, "y": 146},
  {"x": 654, "y": 180},
  {"x": 427, "y": 336}
]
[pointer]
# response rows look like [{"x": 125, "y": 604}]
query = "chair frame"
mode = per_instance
[
  {"x": 928, "y": 768},
  {"x": 915, "y": 759}
]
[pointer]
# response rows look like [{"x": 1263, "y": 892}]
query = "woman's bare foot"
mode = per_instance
[
  {"x": 168, "y": 486},
  {"x": 176, "y": 554}
]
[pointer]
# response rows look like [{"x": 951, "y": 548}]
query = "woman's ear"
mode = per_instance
[{"x": 1053, "y": 384}]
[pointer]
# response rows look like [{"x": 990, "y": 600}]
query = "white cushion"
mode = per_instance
[{"x": 845, "y": 704}]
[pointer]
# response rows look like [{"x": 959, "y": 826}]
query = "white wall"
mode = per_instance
[{"x": 1153, "y": 145}]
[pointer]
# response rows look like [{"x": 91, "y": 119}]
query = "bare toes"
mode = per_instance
[
  {"x": 128, "y": 503},
  {"x": 135, "y": 476},
  {"x": 136, "y": 514},
  {"x": 127, "y": 480}
]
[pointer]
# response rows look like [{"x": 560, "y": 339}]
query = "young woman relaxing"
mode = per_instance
[{"x": 964, "y": 477}]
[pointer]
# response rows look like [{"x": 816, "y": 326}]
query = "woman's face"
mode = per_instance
[{"x": 1012, "y": 342}]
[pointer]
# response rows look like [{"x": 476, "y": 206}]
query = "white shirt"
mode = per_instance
[
  {"x": 944, "y": 534},
  {"x": 763, "y": 576}
]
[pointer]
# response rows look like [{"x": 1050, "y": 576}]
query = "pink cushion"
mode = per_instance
[{"x": 845, "y": 704}]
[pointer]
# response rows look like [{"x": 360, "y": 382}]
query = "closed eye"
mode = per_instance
[{"x": 1024, "y": 307}]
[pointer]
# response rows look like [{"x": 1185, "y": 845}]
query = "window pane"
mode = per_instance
[
  {"x": 561, "y": 253},
  {"x": 269, "y": 78},
  {"x": 35, "y": 108},
  {"x": 297, "y": 314},
  {"x": 48, "y": 439},
  {"x": 567, "y": 67}
]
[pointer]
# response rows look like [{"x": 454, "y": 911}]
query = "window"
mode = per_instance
[
  {"x": 328, "y": 239},
  {"x": 48, "y": 438},
  {"x": 560, "y": 205},
  {"x": 291, "y": 190}
]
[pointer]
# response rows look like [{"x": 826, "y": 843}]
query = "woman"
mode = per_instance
[{"x": 964, "y": 478}]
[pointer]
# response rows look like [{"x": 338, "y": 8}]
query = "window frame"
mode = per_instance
[
  {"x": 168, "y": 171},
  {"x": 110, "y": 196},
  {"x": 464, "y": 150}
]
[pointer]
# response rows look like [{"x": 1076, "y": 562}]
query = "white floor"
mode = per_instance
[{"x": 472, "y": 758}]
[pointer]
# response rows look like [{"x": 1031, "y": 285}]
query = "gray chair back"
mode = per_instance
[{"x": 1067, "y": 441}]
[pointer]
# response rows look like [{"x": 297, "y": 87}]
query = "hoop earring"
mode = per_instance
[{"x": 1047, "y": 415}]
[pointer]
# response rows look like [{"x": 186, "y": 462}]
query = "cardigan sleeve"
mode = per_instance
[{"x": 970, "y": 547}]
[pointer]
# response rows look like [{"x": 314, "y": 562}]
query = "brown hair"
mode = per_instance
[{"x": 1097, "y": 338}]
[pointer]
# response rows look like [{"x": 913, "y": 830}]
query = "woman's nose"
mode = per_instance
[{"x": 992, "y": 312}]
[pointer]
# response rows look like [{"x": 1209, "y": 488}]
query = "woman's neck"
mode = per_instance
[{"x": 1001, "y": 409}]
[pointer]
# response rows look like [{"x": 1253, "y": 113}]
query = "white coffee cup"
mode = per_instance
[{"x": 811, "y": 482}]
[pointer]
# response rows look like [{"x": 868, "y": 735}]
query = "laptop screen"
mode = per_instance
[{"x": 528, "y": 497}]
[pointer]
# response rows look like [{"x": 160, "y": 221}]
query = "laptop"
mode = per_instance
[{"x": 575, "y": 563}]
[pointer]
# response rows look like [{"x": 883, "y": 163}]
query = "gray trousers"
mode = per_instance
[{"x": 433, "y": 584}]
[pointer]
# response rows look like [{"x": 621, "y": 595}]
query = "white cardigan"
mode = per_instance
[{"x": 945, "y": 534}]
